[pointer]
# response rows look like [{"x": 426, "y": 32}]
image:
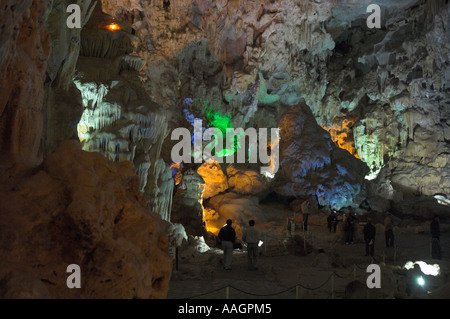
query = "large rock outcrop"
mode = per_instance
[
  {"x": 381, "y": 93},
  {"x": 311, "y": 164},
  {"x": 79, "y": 208},
  {"x": 119, "y": 118}
]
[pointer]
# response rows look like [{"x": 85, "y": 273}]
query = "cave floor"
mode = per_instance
[{"x": 291, "y": 276}]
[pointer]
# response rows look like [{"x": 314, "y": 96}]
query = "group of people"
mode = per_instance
[
  {"x": 252, "y": 237},
  {"x": 369, "y": 230}
]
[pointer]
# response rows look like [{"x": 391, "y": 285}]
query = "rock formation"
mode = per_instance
[
  {"x": 80, "y": 208},
  {"x": 87, "y": 210},
  {"x": 362, "y": 114},
  {"x": 311, "y": 164},
  {"x": 24, "y": 49}
]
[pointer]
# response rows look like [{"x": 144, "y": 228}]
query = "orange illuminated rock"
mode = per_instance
[
  {"x": 215, "y": 179},
  {"x": 245, "y": 181}
]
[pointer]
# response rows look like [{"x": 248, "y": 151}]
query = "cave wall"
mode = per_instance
[
  {"x": 311, "y": 68},
  {"x": 24, "y": 48},
  {"x": 79, "y": 208},
  {"x": 61, "y": 205},
  {"x": 382, "y": 94}
]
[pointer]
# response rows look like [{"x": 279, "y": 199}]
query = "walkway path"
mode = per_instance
[{"x": 293, "y": 276}]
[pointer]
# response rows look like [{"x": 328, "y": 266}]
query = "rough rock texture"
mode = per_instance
[
  {"x": 381, "y": 93},
  {"x": 24, "y": 48},
  {"x": 80, "y": 208},
  {"x": 311, "y": 164},
  {"x": 62, "y": 114},
  {"x": 233, "y": 206},
  {"x": 119, "y": 118},
  {"x": 246, "y": 181},
  {"x": 187, "y": 206},
  {"x": 399, "y": 92},
  {"x": 215, "y": 179}
]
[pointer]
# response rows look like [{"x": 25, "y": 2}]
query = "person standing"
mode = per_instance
[
  {"x": 306, "y": 208},
  {"x": 435, "y": 238},
  {"x": 389, "y": 231},
  {"x": 349, "y": 229},
  {"x": 369, "y": 238},
  {"x": 332, "y": 221},
  {"x": 227, "y": 236},
  {"x": 252, "y": 237}
]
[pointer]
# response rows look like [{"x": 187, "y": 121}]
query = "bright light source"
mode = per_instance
[
  {"x": 372, "y": 175},
  {"x": 260, "y": 243},
  {"x": 427, "y": 269},
  {"x": 113, "y": 27},
  {"x": 442, "y": 200},
  {"x": 269, "y": 175},
  {"x": 420, "y": 281}
]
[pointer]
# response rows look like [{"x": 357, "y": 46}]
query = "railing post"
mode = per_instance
[
  {"x": 304, "y": 237},
  {"x": 395, "y": 254},
  {"x": 227, "y": 292},
  {"x": 265, "y": 244},
  {"x": 332, "y": 285},
  {"x": 431, "y": 249},
  {"x": 297, "y": 292},
  {"x": 354, "y": 272}
]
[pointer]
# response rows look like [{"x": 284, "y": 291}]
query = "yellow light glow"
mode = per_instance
[
  {"x": 210, "y": 218},
  {"x": 113, "y": 27},
  {"x": 339, "y": 135}
]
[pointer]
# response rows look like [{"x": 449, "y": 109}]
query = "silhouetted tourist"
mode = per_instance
[
  {"x": 369, "y": 238},
  {"x": 389, "y": 230},
  {"x": 306, "y": 211},
  {"x": 349, "y": 227},
  {"x": 435, "y": 238},
  {"x": 252, "y": 236},
  {"x": 227, "y": 236},
  {"x": 332, "y": 221}
]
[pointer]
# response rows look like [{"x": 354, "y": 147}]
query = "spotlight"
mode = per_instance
[
  {"x": 427, "y": 269},
  {"x": 113, "y": 27},
  {"x": 421, "y": 281},
  {"x": 260, "y": 243}
]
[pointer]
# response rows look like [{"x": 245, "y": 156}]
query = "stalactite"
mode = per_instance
[
  {"x": 131, "y": 62},
  {"x": 434, "y": 7}
]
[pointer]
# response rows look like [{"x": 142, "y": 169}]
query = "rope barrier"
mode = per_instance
[
  {"x": 419, "y": 246},
  {"x": 206, "y": 293},
  {"x": 359, "y": 267},
  {"x": 264, "y": 295},
  {"x": 283, "y": 291},
  {"x": 343, "y": 277},
  {"x": 300, "y": 285},
  {"x": 296, "y": 287}
]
